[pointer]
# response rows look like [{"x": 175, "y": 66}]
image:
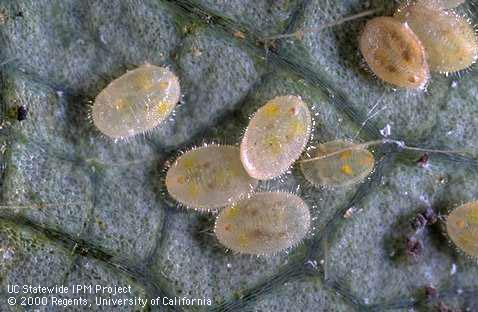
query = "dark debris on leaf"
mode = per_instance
[
  {"x": 22, "y": 112},
  {"x": 442, "y": 307},
  {"x": 431, "y": 292},
  {"x": 428, "y": 217},
  {"x": 423, "y": 160},
  {"x": 413, "y": 248}
]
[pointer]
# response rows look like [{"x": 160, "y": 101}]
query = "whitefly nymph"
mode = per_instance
[
  {"x": 209, "y": 177},
  {"x": 394, "y": 53},
  {"x": 264, "y": 224},
  {"x": 275, "y": 137},
  {"x": 337, "y": 163},
  {"x": 462, "y": 228},
  {"x": 449, "y": 39},
  {"x": 136, "y": 102}
]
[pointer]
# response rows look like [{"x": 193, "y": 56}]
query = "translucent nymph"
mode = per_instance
[
  {"x": 264, "y": 224},
  {"x": 394, "y": 53},
  {"x": 276, "y": 136},
  {"x": 209, "y": 177},
  {"x": 462, "y": 228},
  {"x": 337, "y": 163},
  {"x": 136, "y": 102},
  {"x": 449, "y": 39}
]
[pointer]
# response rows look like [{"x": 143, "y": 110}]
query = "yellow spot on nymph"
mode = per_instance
[
  {"x": 297, "y": 128},
  {"x": 163, "y": 85},
  {"x": 193, "y": 190},
  {"x": 222, "y": 177},
  {"x": 271, "y": 110},
  {"x": 232, "y": 213},
  {"x": 181, "y": 180},
  {"x": 120, "y": 104},
  {"x": 273, "y": 144},
  {"x": 144, "y": 81},
  {"x": 188, "y": 163},
  {"x": 161, "y": 109},
  {"x": 460, "y": 224},
  {"x": 472, "y": 216},
  {"x": 345, "y": 155},
  {"x": 346, "y": 169},
  {"x": 243, "y": 240}
]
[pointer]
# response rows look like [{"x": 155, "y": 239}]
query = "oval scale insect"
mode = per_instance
[
  {"x": 209, "y": 177},
  {"x": 275, "y": 137},
  {"x": 264, "y": 224},
  {"x": 337, "y": 163},
  {"x": 394, "y": 53},
  {"x": 450, "y": 41},
  {"x": 462, "y": 227},
  {"x": 136, "y": 102}
]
